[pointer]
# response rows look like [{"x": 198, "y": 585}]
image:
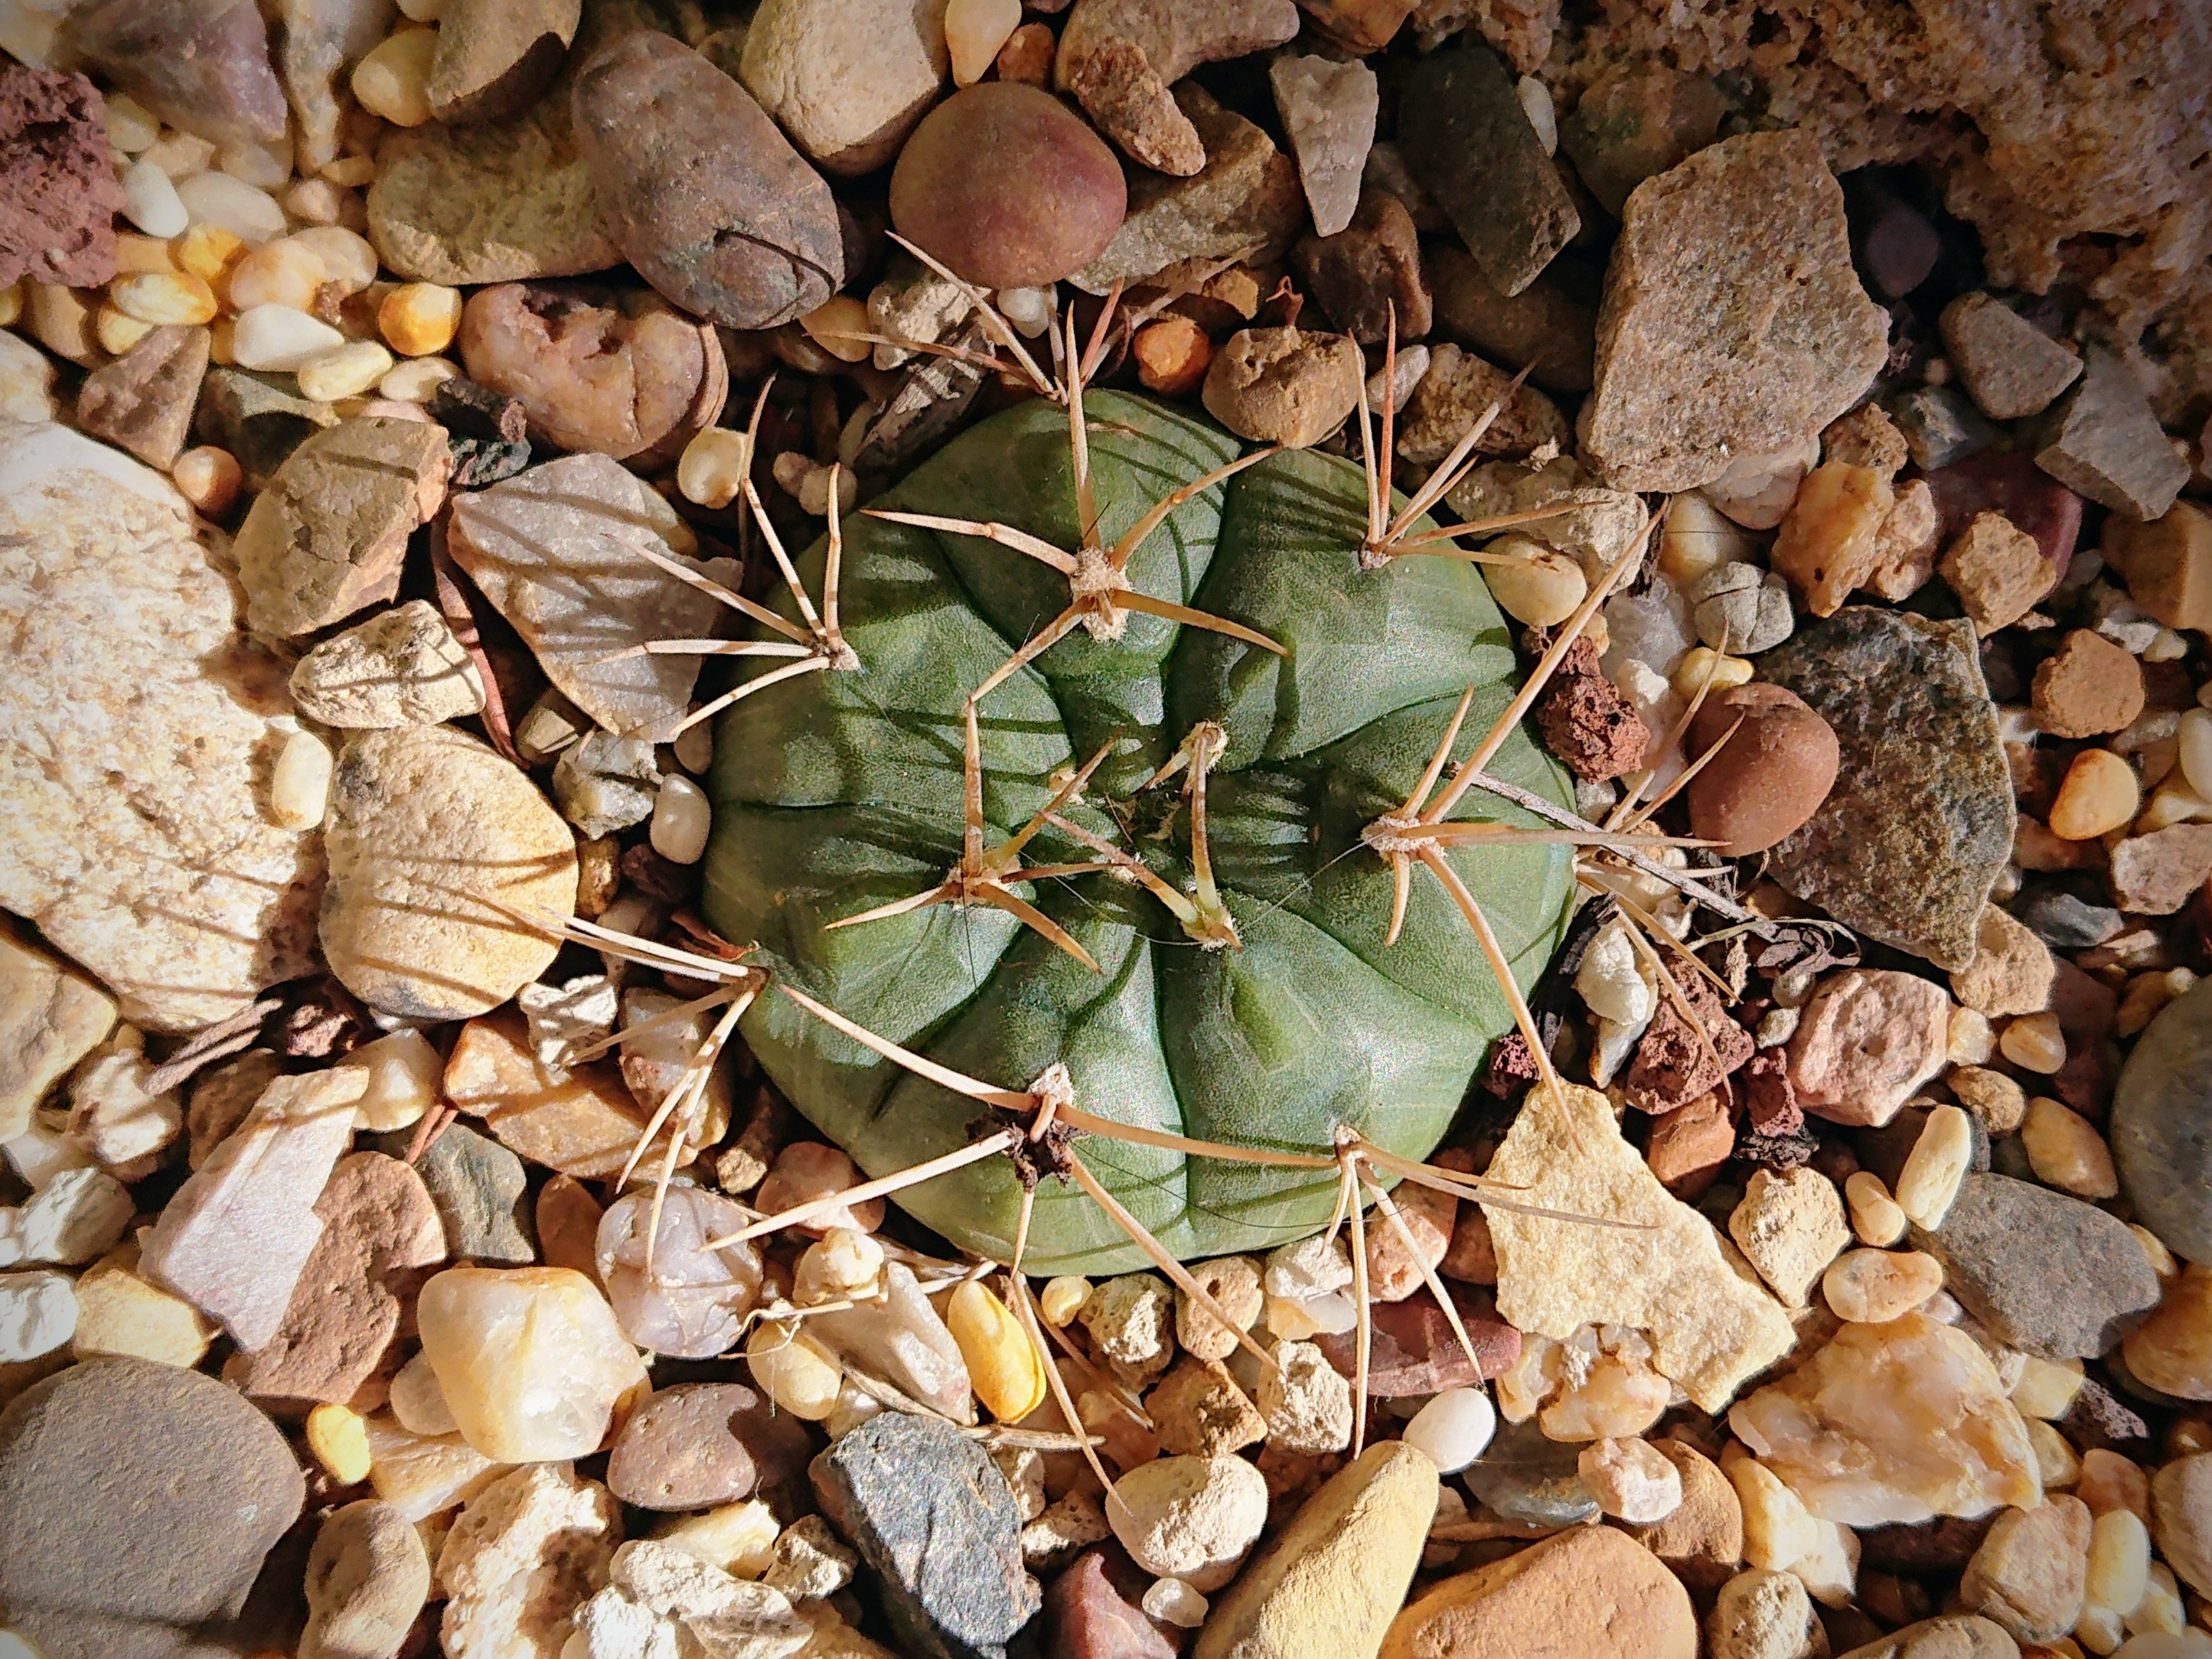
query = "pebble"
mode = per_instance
[
  {"x": 1455, "y": 392},
  {"x": 931, "y": 1514},
  {"x": 1002, "y": 1363},
  {"x": 552, "y": 550},
  {"x": 401, "y": 667},
  {"x": 527, "y": 1552},
  {"x": 1738, "y": 607},
  {"x": 1094, "y": 1608},
  {"x": 1772, "y": 775},
  {"x": 847, "y": 82},
  {"x": 61, "y": 195},
  {"x": 2028, "y": 1574},
  {"x": 1872, "y": 1287},
  {"x": 1194, "y": 1518},
  {"x": 120, "y": 1314},
  {"x": 2181, "y": 1518},
  {"x": 1330, "y": 1583},
  {"x": 1997, "y": 570},
  {"x": 1590, "y": 1591},
  {"x": 1245, "y": 203},
  {"x": 1551, "y": 323},
  {"x": 2167, "y": 564},
  {"x": 2047, "y": 1273},
  {"x": 807, "y": 1169},
  {"x": 681, "y": 821},
  {"x": 424, "y": 1476},
  {"x": 587, "y": 1127},
  {"x": 2099, "y": 794},
  {"x": 748, "y": 241},
  {"x": 1763, "y": 1615},
  {"x": 604, "y": 784},
  {"x": 27, "y": 381},
  {"x": 2065, "y": 1151},
  {"x": 2010, "y": 368},
  {"x": 529, "y": 1360},
  {"x": 1306, "y": 1402},
  {"x": 1119, "y": 61},
  {"x": 393, "y": 79},
  {"x": 1284, "y": 385},
  {"x": 1789, "y": 1226},
  {"x": 1868, "y": 1039},
  {"x": 495, "y": 57},
  {"x": 1007, "y": 187},
  {"x": 1695, "y": 365},
  {"x": 975, "y": 32},
  {"x": 1941, "y": 1153},
  {"x": 236, "y": 1237},
  {"x": 1368, "y": 274},
  {"x": 2162, "y": 1125},
  {"x": 901, "y": 1338},
  {"x": 1830, "y": 538},
  {"x": 1701, "y": 1542},
  {"x": 37, "y": 1315},
  {"x": 697, "y": 1444},
  {"x": 2104, "y": 441},
  {"x": 367, "y": 1577},
  {"x": 2158, "y": 873},
  {"x": 2013, "y": 971},
  {"x": 129, "y": 650},
  {"x": 801, "y": 1376},
  {"x": 1919, "y": 822},
  {"x": 52, "y": 1016},
  {"x": 692, "y": 1305},
  {"x": 1710, "y": 1329},
  {"x": 1944, "y": 1439},
  {"x": 1328, "y": 112},
  {"x": 1234, "y": 1283},
  {"x": 143, "y": 400},
  {"x": 478, "y": 1188},
  {"x": 1469, "y": 142},
  {"x": 1632, "y": 1481},
  {"x": 408, "y": 806}
]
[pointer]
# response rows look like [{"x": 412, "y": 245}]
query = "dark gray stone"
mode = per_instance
[
  {"x": 2047, "y": 1273},
  {"x": 1919, "y": 823},
  {"x": 137, "y": 1501},
  {"x": 2067, "y": 923},
  {"x": 2103, "y": 442},
  {"x": 476, "y": 1187},
  {"x": 1940, "y": 425},
  {"x": 2161, "y": 1128},
  {"x": 698, "y": 1444},
  {"x": 258, "y": 421},
  {"x": 1524, "y": 1477},
  {"x": 930, "y": 1512},
  {"x": 1462, "y": 129}
]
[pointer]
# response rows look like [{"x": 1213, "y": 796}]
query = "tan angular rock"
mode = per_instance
[
  {"x": 2029, "y": 1572},
  {"x": 328, "y": 536},
  {"x": 1790, "y": 1226},
  {"x": 138, "y": 723},
  {"x": 143, "y": 401},
  {"x": 1453, "y": 395},
  {"x": 1284, "y": 385},
  {"x": 424, "y": 1475},
  {"x": 1997, "y": 570},
  {"x": 585, "y": 1126},
  {"x": 1900, "y": 1422},
  {"x": 531, "y": 1362},
  {"x": 1194, "y": 1518},
  {"x": 51, "y": 1018},
  {"x": 1763, "y": 1615},
  {"x": 1119, "y": 60},
  {"x": 1334, "y": 1578},
  {"x": 528, "y": 1552},
  {"x": 554, "y": 550},
  {"x": 2012, "y": 972},
  {"x": 401, "y": 667},
  {"x": 847, "y": 80},
  {"x": 119, "y": 1312},
  {"x": 1702, "y": 355},
  {"x": 235, "y": 1237},
  {"x": 425, "y": 825},
  {"x": 1589, "y": 1591},
  {"x": 1664, "y": 1274}
]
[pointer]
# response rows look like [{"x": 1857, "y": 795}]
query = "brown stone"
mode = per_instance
[
  {"x": 1198, "y": 1411},
  {"x": 1393, "y": 1272},
  {"x": 1551, "y": 325},
  {"x": 1635, "y": 120},
  {"x": 585, "y": 1127},
  {"x": 379, "y": 1234},
  {"x": 58, "y": 193},
  {"x": 2167, "y": 564},
  {"x": 711, "y": 204},
  {"x": 1092, "y": 1611},
  {"x": 1771, "y": 776},
  {"x": 2155, "y": 875},
  {"x": 698, "y": 1444},
  {"x": 495, "y": 57},
  {"x": 1589, "y": 1591},
  {"x": 2012, "y": 972},
  {"x": 1955, "y": 1636},
  {"x": 1284, "y": 385},
  {"x": 1587, "y": 722},
  {"x": 143, "y": 401},
  {"x": 1867, "y": 1040},
  {"x": 2089, "y": 687},
  {"x": 2028, "y": 1574},
  {"x": 1998, "y": 571},
  {"x": 1368, "y": 272},
  {"x": 2011, "y": 368},
  {"x": 1121, "y": 60},
  {"x": 329, "y": 535},
  {"x": 569, "y": 1225},
  {"x": 1689, "y": 1144},
  {"x": 1415, "y": 1350},
  {"x": 1455, "y": 392},
  {"x": 1702, "y": 352},
  {"x": 1701, "y": 1542}
]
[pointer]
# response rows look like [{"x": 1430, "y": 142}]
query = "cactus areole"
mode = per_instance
[{"x": 840, "y": 792}]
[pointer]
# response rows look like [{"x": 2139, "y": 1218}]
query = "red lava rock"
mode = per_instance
[
  {"x": 1587, "y": 723},
  {"x": 1006, "y": 186},
  {"x": 700, "y": 1443},
  {"x": 1771, "y": 777},
  {"x": 59, "y": 192},
  {"x": 2010, "y": 483},
  {"x": 1672, "y": 1067},
  {"x": 1091, "y": 1611},
  {"x": 1415, "y": 1350},
  {"x": 379, "y": 1233}
]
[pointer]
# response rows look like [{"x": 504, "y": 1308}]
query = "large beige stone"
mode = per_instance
[
  {"x": 1639, "y": 1257},
  {"x": 528, "y": 1552},
  {"x": 1733, "y": 322},
  {"x": 1328, "y": 1585},
  {"x": 1589, "y": 1591},
  {"x": 2030, "y": 1572},
  {"x": 51, "y": 1018},
  {"x": 1900, "y": 1422},
  {"x": 136, "y": 742},
  {"x": 846, "y": 79},
  {"x": 426, "y": 826}
]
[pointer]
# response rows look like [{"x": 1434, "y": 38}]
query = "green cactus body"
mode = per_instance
[{"x": 839, "y": 791}]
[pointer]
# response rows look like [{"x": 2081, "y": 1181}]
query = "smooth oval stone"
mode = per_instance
[
  {"x": 711, "y": 204},
  {"x": 2161, "y": 1128},
  {"x": 702, "y": 1443},
  {"x": 1771, "y": 776},
  {"x": 1527, "y": 1478},
  {"x": 1008, "y": 186},
  {"x": 694, "y": 1303}
]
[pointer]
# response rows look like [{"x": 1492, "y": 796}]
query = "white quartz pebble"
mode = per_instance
[
  {"x": 217, "y": 198},
  {"x": 38, "y": 1313},
  {"x": 151, "y": 203},
  {"x": 300, "y": 783},
  {"x": 681, "y": 819},
  {"x": 76, "y": 1217},
  {"x": 1453, "y": 1429},
  {"x": 279, "y": 339},
  {"x": 1175, "y": 1603}
]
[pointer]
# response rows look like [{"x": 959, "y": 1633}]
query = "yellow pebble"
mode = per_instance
[
  {"x": 141, "y": 253},
  {"x": 2046, "y": 1386},
  {"x": 1875, "y": 1217},
  {"x": 1701, "y": 660},
  {"x": 209, "y": 479},
  {"x": 351, "y": 171},
  {"x": 339, "y": 1440},
  {"x": 1935, "y": 1167},
  {"x": 284, "y": 272},
  {"x": 208, "y": 251},
  {"x": 834, "y": 322},
  {"x": 713, "y": 467},
  {"x": 1003, "y": 1364},
  {"x": 11, "y": 304},
  {"x": 117, "y": 332},
  {"x": 2035, "y": 1043},
  {"x": 222, "y": 342},
  {"x": 393, "y": 80},
  {"x": 413, "y": 380},
  {"x": 793, "y": 1370},
  {"x": 419, "y": 319},
  {"x": 2065, "y": 1151},
  {"x": 160, "y": 297},
  {"x": 1063, "y": 1298},
  {"x": 345, "y": 371},
  {"x": 2099, "y": 794}
]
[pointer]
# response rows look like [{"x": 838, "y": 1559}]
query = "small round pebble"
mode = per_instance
[
  {"x": 1008, "y": 186},
  {"x": 1454, "y": 1428},
  {"x": 1771, "y": 776}
]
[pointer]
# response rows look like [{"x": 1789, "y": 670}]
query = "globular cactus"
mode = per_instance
[{"x": 1263, "y": 1008}]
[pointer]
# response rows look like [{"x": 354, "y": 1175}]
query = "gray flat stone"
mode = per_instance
[
  {"x": 2103, "y": 442},
  {"x": 2162, "y": 1125}
]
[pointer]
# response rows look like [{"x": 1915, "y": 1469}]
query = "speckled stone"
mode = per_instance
[
  {"x": 1919, "y": 822},
  {"x": 2161, "y": 1128}
]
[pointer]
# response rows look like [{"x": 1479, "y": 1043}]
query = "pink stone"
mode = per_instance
[{"x": 1868, "y": 1038}]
